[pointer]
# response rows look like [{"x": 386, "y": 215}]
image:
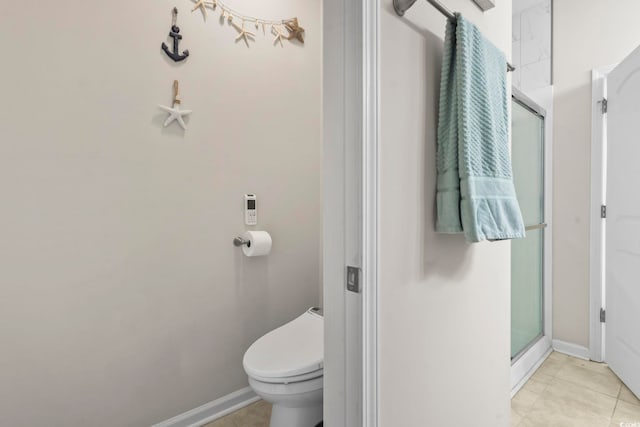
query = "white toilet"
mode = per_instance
[{"x": 285, "y": 368}]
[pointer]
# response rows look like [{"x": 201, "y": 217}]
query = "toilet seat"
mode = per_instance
[
  {"x": 290, "y": 380},
  {"x": 291, "y": 353}
]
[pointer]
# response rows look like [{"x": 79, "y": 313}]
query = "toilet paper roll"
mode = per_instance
[{"x": 259, "y": 243}]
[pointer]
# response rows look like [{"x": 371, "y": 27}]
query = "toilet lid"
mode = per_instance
[{"x": 295, "y": 348}]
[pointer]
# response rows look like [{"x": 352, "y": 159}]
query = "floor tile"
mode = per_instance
[
  {"x": 522, "y": 402},
  {"x": 598, "y": 368},
  {"x": 542, "y": 377},
  {"x": 626, "y": 413},
  {"x": 536, "y": 386},
  {"x": 607, "y": 383},
  {"x": 255, "y": 415},
  {"x": 627, "y": 396},
  {"x": 571, "y": 399},
  {"x": 551, "y": 367},
  {"x": 568, "y": 405},
  {"x": 222, "y": 422},
  {"x": 542, "y": 417},
  {"x": 515, "y": 419},
  {"x": 562, "y": 358}
]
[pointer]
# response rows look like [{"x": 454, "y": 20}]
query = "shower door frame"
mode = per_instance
[{"x": 526, "y": 363}]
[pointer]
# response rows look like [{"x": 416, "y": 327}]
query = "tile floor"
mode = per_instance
[
  {"x": 564, "y": 392},
  {"x": 570, "y": 392},
  {"x": 254, "y": 415}
]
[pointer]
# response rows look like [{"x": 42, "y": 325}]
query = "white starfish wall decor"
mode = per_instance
[{"x": 175, "y": 113}]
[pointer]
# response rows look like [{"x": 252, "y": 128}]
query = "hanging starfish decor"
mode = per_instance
[
  {"x": 282, "y": 29},
  {"x": 295, "y": 30},
  {"x": 202, "y": 5},
  {"x": 243, "y": 34},
  {"x": 175, "y": 113},
  {"x": 279, "y": 35}
]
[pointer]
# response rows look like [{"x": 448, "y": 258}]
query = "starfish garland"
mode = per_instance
[
  {"x": 284, "y": 29},
  {"x": 202, "y": 5},
  {"x": 279, "y": 35},
  {"x": 244, "y": 34},
  {"x": 295, "y": 30}
]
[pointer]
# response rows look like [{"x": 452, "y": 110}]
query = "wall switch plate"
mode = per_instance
[
  {"x": 353, "y": 279},
  {"x": 485, "y": 4}
]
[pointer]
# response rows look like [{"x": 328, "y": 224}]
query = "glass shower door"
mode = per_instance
[{"x": 527, "y": 255}]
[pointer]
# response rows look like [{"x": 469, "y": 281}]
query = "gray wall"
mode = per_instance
[
  {"x": 122, "y": 300},
  {"x": 587, "y": 35},
  {"x": 444, "y": 304}
]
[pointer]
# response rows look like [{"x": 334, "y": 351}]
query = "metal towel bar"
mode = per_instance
[{"x": 401, "y": 6}]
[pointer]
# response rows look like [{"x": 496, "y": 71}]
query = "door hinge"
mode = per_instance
[
  {"x": 604, "y": 105},
  {"x": 603, "y": 315},
  {"x": 603, "y": 211}
]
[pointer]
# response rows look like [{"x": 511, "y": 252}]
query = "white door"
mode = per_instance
[{"x": 622, "y": 342}]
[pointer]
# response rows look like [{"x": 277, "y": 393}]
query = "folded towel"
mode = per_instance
[{"x": 475, "y": 191}]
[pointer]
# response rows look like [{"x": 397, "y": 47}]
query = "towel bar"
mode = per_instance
[{"x": 401, "y": 6}]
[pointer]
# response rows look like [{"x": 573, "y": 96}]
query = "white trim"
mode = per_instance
[
  {"x": 571, "y": 349},
  {"x": 213, "y": 410},
  {"x": 596, "y": 267},
  {"x": 548, "y": 215},
  {"x": 529, "y": 363},
  {"x": 544, "y": 97},
  {"x": 370, "y": 204}
]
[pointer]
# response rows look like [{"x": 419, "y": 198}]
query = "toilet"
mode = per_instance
[{"x": 285, "y": 368}]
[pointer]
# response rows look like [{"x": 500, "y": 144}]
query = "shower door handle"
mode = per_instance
[{"x": 536, "y": 227}]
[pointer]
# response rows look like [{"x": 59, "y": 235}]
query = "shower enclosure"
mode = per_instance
[{"x": 529, "y": 340}]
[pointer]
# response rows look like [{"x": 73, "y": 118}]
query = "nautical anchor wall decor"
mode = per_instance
[
  {"x": 175, "y": 35},
  {"x": 175, "y": 113}
]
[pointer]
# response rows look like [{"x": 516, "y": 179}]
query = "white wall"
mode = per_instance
[
  {"x": 444, "y": 304},
  {"x": 531, "y": 44},
  {"x": 587, "y": 35},
  {"x": 122, "y": 299}
]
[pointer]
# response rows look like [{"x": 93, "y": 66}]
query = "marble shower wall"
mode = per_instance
[{"x": 531, "y": 44}]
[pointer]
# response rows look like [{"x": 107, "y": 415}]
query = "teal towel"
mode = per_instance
[{"x": 475, "y": 191}]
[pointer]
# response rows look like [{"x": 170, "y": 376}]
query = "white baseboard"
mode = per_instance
[
  {"x": 213, "y": 410},
  {"x": 571, "y": 349},
  {"x": 528, "y": 363}
]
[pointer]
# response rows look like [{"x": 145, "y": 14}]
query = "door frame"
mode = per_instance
[
  {"x": 597, "y": 226},
  {"x": 351, "y": 194},
  {"x": 371, "y": 208},
  {"x": 526, "y": 364}
]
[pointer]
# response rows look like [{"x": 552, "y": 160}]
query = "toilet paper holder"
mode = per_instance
[{"x": 239, "y": 241}]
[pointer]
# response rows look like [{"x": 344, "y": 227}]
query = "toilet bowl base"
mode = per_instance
[
  {"x": 307, "y": 416},
  {"x": 294, "y": 404}
]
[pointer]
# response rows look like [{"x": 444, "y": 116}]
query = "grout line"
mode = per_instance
[
  {"x": 587, "y": 387},
  {"x": 614, "y": 409}
]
